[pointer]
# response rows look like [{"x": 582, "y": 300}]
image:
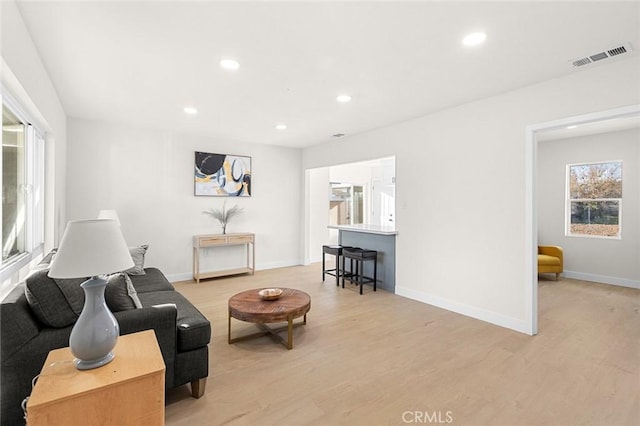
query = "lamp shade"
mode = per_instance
[
  {"x": 109, "y": 214},
  {"x": 90, "y": 248}
]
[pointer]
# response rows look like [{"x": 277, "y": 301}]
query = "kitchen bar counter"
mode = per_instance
[
  {"x": 373, "y": 237},
  {"x": 367, "y": 229}
]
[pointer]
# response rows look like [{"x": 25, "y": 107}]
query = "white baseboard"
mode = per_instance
[
  {"x": 603, "y": 279},
  {"x": 281, "y": 264},
  {"x": 174, "y": 278},
  {"x": 188, "y": 276},
  {"x": 469, "y": 311}
]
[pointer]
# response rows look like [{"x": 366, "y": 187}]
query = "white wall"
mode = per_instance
[
  {"x": 318, "y": 195},
  {"x": 603, "y": 260},
  {"x": 354, "y": 173},
  {"x": 363, "y": 172},
  {"x": 25, "y": 78},
  {"x": 460, "y": 189},
  {"x": 147, "y": 177}
]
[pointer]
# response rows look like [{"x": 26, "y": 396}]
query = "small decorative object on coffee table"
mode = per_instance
[
  {"x": 249, "y": 306},
  {"x": 270, "y": 293}
]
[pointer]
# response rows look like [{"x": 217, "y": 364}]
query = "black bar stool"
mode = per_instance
[
  {"x": 335, "y": 250},
  {"x": 360, "y": 256}
]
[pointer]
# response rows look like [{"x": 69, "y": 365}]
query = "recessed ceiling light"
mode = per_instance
[
  {"x": 572, "y": 127},
  {"x": 229, "y": 64},
  {"x": 281, "y": 126},
  {"x": 343, "y": 98},
  {"x": 190, "y": 110},
  {"x": 474, "y": 39}
]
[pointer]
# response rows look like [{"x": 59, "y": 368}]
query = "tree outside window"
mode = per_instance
[{"x": 594, "y": 201}]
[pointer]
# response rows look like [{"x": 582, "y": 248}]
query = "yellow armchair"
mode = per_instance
[{"x": 550, "y": 260}]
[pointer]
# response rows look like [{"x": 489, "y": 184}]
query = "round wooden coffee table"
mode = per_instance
[{"x": 250, "y": 307}]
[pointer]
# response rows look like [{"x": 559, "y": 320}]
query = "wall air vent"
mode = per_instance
[{"x": 614, "y": 51}]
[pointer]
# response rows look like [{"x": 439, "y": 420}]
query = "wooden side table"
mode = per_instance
[
  {"x": 223, "y": 240},
  {"x": 127, "y": 391}
]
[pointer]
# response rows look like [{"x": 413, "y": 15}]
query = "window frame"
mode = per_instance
[
  {"x": 35, "y": 172},
  {"x": 569, "y": 201}
]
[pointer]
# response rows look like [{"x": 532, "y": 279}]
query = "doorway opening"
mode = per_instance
[
  {"x": 347, "y": 194},
  {"x": 534, "y": 133}
]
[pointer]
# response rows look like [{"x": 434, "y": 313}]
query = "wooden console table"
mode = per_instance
[
  {"x": 222, "y": 240},
  {"x": 127, "y": 391}
]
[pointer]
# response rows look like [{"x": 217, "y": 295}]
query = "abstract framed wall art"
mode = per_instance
[{"x": 222, "y": 175}]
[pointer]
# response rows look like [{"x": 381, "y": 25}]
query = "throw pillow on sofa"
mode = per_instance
[
  {"x": 120, "y": 294},
  {"x": 137, "y": 254},
  {"x": 56, "y": 303}
]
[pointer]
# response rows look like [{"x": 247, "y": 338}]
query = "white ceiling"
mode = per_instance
[{"x": 141, "y": 62}]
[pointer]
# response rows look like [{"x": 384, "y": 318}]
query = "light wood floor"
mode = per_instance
[{"x": 381, "y": 359}]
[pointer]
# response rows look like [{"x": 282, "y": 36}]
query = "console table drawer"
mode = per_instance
[
  {"x": 211, "y": 241},
  {"x": 241, "y": 239}
]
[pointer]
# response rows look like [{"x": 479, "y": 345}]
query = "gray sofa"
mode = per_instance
[{"x": 34, "y": 317}]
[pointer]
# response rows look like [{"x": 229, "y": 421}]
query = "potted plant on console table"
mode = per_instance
[{"x": 224, "y": 215}]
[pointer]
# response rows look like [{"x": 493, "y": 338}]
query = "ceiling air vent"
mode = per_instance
[
  {"x": 615, "y": 51},
  {"x": 581, "y": 62}
]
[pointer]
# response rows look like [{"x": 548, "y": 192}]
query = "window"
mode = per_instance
[
  {"x": 346, "y": 204},
  {"x": 13, "y": 182},
  {"x": 594, "y": 199},
  {"x": 22, "y": 189}
]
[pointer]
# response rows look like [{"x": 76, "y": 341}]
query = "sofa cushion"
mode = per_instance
[
  {"x": 546, "y": 260},
  {"x": 56, "y": 303},
  {"x": 120, "y": 294},
  {"x": 18, "y": 325},
  {"x": 137, "y": 254},
  {"x": 73, "y": 293},
  {"x": 194, "y": 330},
  {"x": 152, "y": 280}
]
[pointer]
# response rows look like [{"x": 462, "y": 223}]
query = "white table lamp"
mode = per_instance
[
  {"x": 109, "y": 214},
  {"x": 90, "y": 248}
]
